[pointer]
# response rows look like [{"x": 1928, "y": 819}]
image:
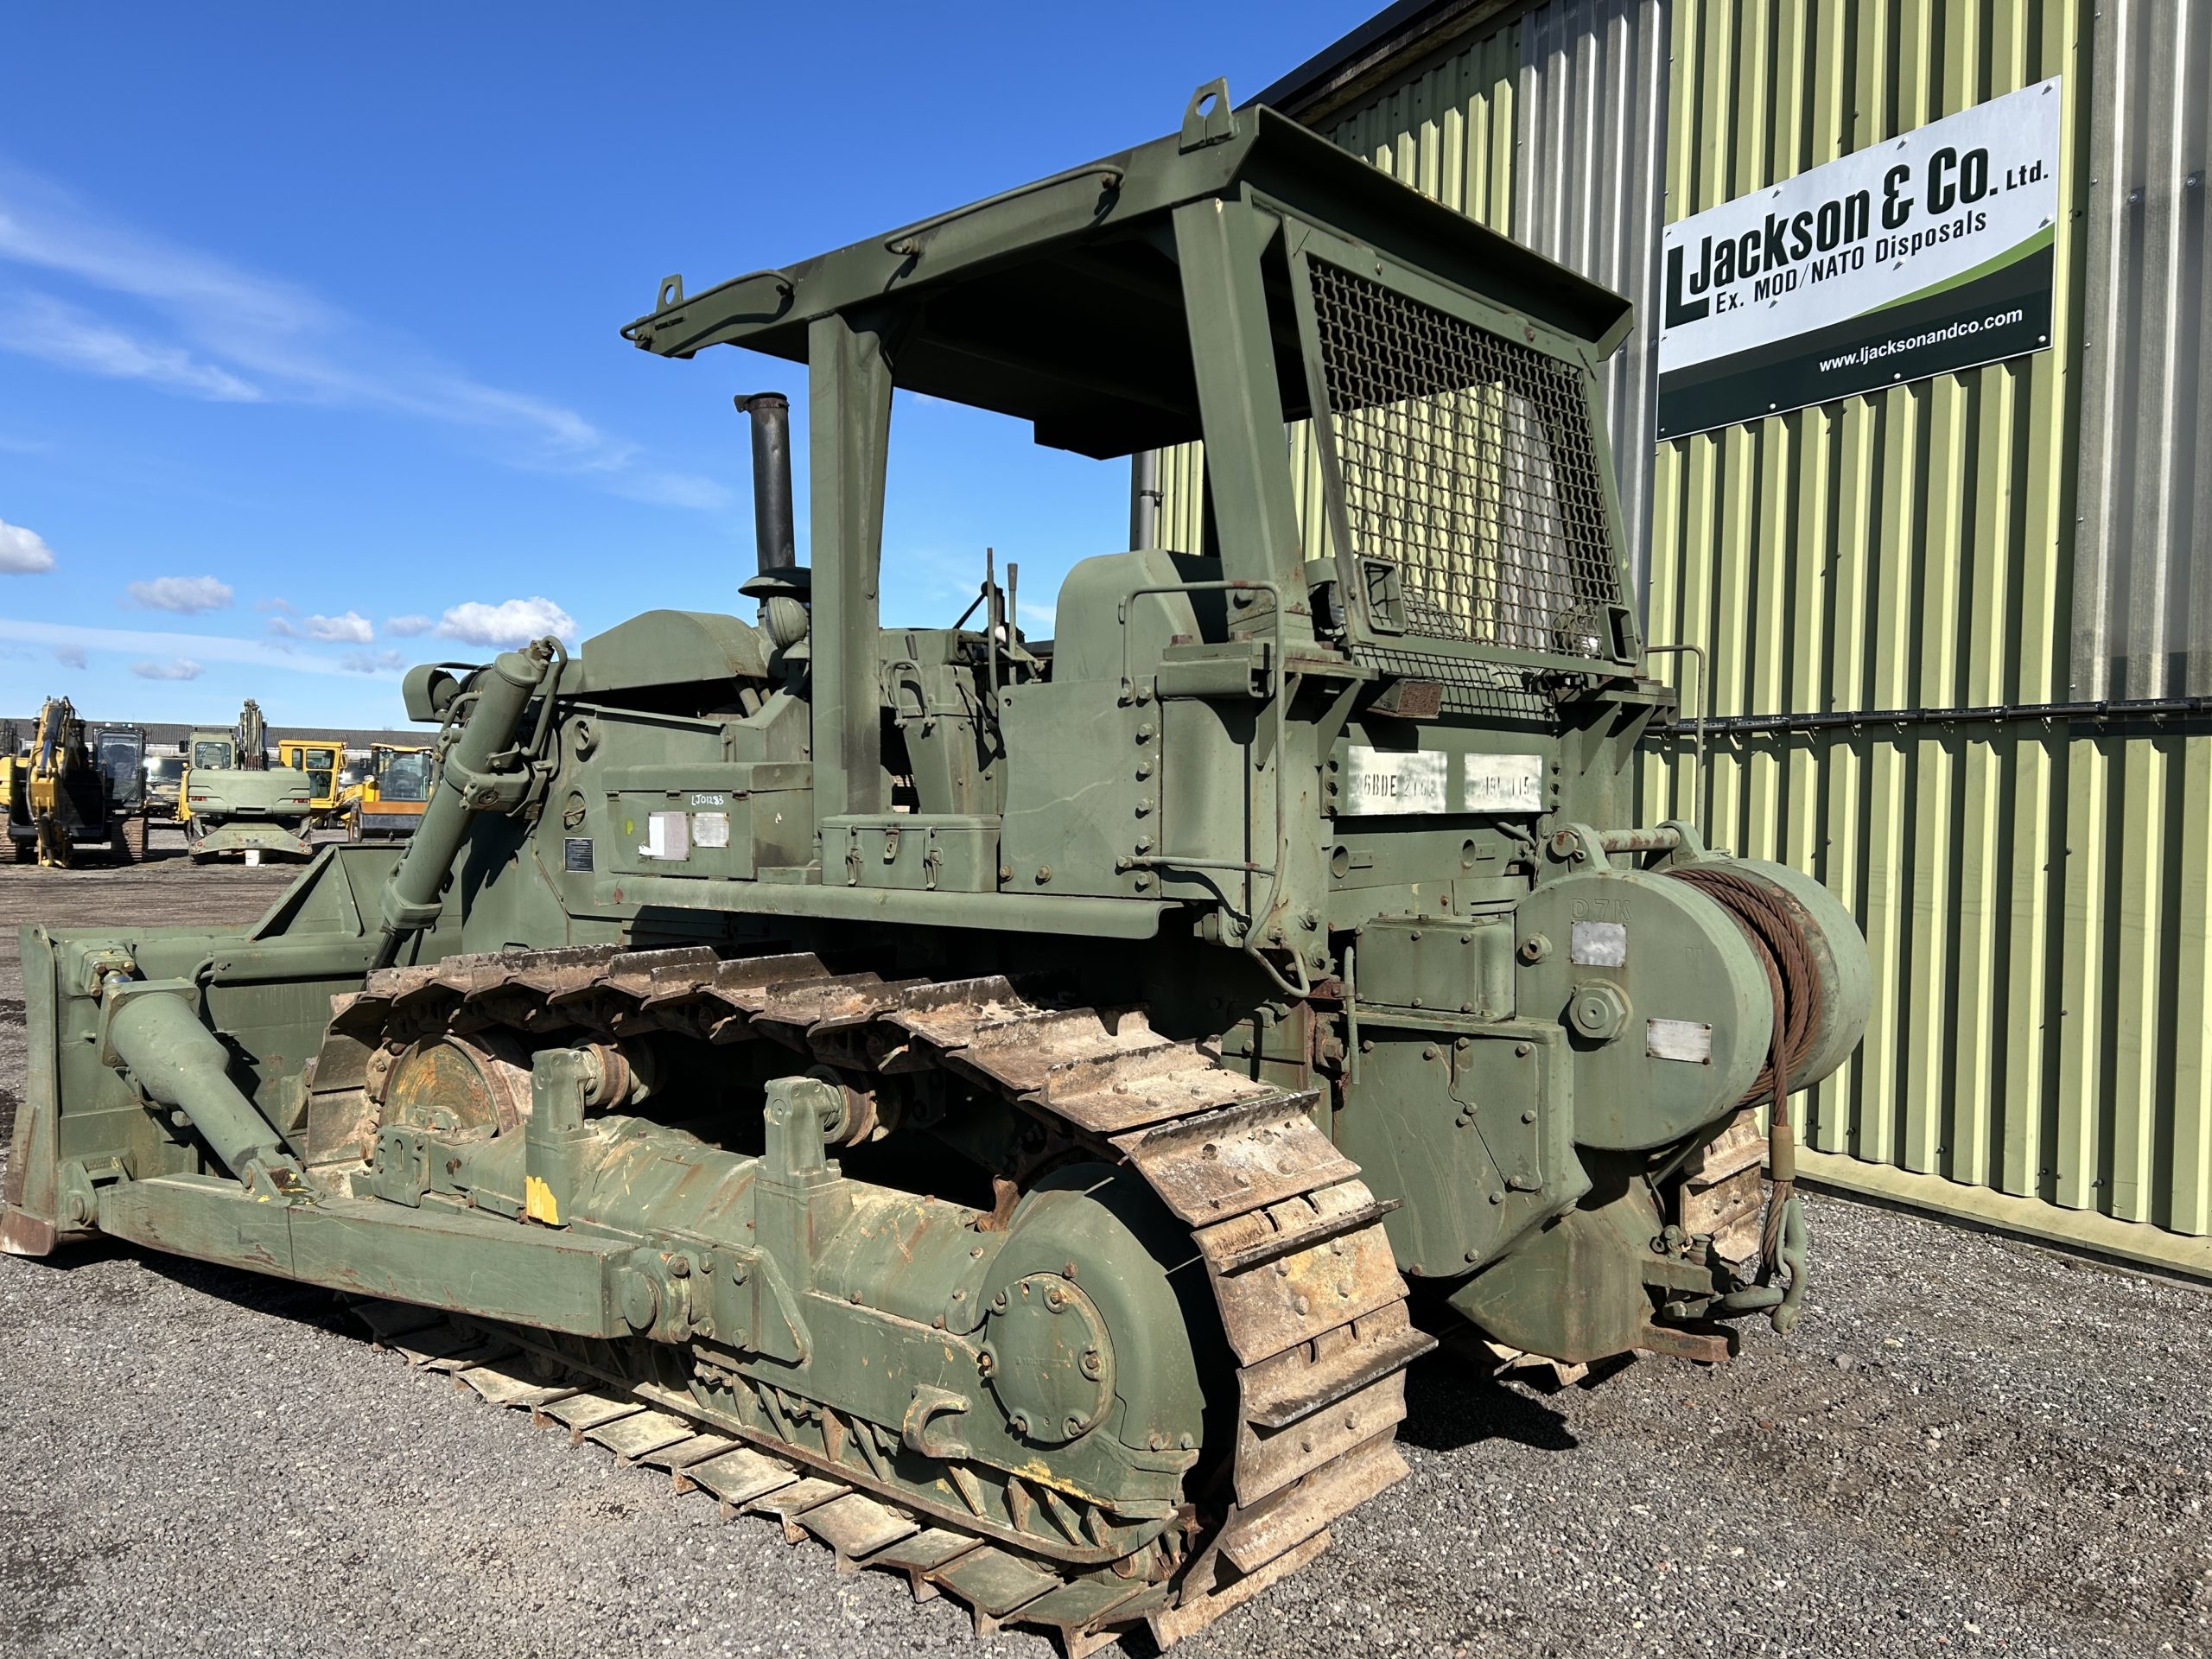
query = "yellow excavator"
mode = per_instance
[
  {"x": 389, "y": 800},
  {"x": 15, "y": 770},
  {"x": 66, "y": 793},
  {"x": 322, "y": 758}
]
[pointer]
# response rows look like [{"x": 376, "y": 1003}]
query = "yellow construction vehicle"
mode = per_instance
[
  {"x": 320, "y": 758},
  {"x": 389, "y": 801},
  {"x": 62, "y": 795},
  {"x": 15, "y": 776}
]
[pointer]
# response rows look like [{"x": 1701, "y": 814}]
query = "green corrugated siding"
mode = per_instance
[
  {"x": 2038, "y": 905},
  {"x": 1450, "y": 132},
  {"x": 2035, "y": 905},
  {"x": 2039, "y": 912}
]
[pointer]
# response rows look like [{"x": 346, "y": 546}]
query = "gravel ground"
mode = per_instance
[{"x": 1971, "y": 1445}]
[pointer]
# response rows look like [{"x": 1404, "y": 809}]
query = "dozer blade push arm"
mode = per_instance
[{"x": 149, "y": 1026}]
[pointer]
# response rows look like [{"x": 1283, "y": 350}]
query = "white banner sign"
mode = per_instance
[{"x": 1921, "y": 255}]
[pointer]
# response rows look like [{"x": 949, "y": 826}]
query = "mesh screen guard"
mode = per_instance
[{"x": 1467, "y": 460}]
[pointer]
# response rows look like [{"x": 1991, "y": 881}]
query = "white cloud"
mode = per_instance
[
  {"x": 511, "y": 622},
  {"x": 177, "y": 667},
  {"x": 351, "y": 629},
  {"x": 22, "y": 552},
  {"x": 282, "y": 606},
  {"x": 372, "y": 662},
  {"x": 237, "y": 335},
  {"x": 154, "y": 642},
  {"x": 406, "y": 627},
  {"x": 186, "y": 595},
  {"x": 69, "y": 656},
  {"x": 38, "y": 325}
]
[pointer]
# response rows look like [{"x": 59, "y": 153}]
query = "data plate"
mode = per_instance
[
  {"x": 1599, "y": 944},
  {"x": 1679, "y": 1039},
  {"x": 1503, "y": 783},
  {"x": 1385, "y": 781},
  {"x": 668, "y": 836}
]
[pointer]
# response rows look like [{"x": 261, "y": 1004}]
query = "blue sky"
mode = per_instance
[{"x": 308, "y": 361}]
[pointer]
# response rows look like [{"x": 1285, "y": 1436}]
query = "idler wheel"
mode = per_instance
[
  {"x": 478, "y": 1084},
  {"x": 1048, "y": 1359},
  {"x": 1094, "y": 1328}
]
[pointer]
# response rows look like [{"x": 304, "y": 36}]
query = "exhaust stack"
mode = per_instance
[
  {"x": 770, "y": 413},
  {"x": 781, "y": 584}
]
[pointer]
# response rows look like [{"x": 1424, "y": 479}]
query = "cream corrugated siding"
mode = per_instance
[{"x": 2143, "y": 620}]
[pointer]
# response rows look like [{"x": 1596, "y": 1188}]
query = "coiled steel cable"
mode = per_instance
[{"x": 1778, "y": 939}]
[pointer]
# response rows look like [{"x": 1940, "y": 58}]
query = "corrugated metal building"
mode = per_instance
[{"x": 1914, "y": 601}]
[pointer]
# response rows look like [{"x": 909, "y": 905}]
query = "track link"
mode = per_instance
[{"x": 1309, "y": 1297}]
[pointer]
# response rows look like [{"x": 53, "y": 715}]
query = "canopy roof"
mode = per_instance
[{"x": 1061, "y": 303}]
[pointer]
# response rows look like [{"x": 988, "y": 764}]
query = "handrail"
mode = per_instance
[
  {"x": 2102, "y": 711},
  {"x": 907, "y": 243},
  {"x": 1698, "y": 720}
]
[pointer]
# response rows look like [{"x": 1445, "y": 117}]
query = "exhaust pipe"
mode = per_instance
[
  {"x": 781, "y": 583},
  {"x": 771, "y": 412}
]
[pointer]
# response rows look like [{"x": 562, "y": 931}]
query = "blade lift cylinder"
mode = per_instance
[{"x": 480, "y": 771}]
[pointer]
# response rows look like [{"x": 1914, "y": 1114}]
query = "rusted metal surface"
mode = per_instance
[{"x": 1220, "y": 1164}]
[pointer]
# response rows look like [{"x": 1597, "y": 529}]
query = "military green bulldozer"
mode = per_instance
[{"x": 1010, "y": 1109}]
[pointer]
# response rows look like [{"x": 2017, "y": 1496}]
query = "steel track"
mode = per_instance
[{"x": 1309, "y": 1298}]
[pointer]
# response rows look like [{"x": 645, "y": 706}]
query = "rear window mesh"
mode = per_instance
[{"x": 1466, "y": 459}]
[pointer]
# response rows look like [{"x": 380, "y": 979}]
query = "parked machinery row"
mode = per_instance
[{"x": 77, "y": 786}]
